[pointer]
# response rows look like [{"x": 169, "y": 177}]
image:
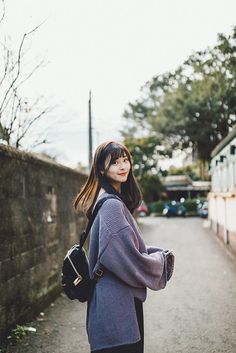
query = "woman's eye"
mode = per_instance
[{"x": 117, "y": 162}]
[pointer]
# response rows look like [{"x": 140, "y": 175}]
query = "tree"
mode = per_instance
[
  {"x": 146, "y": 152},
  {"x": 194, "y": 106},
  {"x": 193, "y": 171},
  {"x": 18, "y": 114}
]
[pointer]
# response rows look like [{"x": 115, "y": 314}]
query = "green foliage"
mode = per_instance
[
  {"x": 17, "y": 334},
  {"x": 194, "y": 106},
  {"x": 187, "y": 170},
  {"x": 198, "y": 113},
  {"x": 156, "y": 207},
  {"x": 145, "y": 153},
  {"x": 151, "y": 187},
  {"x": 189, "y": 204},
  {"x": 196, "y": 171},
  {"x": 3, "y": 348}
]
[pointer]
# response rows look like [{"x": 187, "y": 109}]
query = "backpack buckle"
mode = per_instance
[
  {"x": 77, "y": 280},
  {"x": 98, "y": 272}
]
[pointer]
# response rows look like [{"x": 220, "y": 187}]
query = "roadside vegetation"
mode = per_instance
[{"x": 188, "y": 110}]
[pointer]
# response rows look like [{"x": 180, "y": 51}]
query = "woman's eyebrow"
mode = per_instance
[{"x": 125, "y": 156}]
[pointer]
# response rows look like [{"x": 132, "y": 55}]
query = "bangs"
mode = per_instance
[
  {"x": 113, "y": 152},
  {"x": 117, "y": 153}
]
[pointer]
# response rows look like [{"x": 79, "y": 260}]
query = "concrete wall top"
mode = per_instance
[{"x": 13, "y": 153}]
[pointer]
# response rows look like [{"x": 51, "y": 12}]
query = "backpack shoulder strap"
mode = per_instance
[{"x": 99, "y": 204}]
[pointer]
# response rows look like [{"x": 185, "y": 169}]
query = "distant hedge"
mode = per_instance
[{"x": 158, "y": 206}]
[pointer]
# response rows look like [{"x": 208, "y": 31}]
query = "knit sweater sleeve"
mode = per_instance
[
  {"x": 151, "y": 249},
  {"x": 119, "y": 253}
]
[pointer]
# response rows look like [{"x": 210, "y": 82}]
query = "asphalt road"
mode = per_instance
[{"x": 195, "y": 313}]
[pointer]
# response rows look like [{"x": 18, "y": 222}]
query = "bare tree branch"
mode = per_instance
[
  {"x": 15, "y": 110},
  {"x": 6, "y": 63},
  {"x": 38, "y": 143},
  {"x": 3, "y": 11},
  {"x": 18, "y": 65},
  {"x": 17, "y": 116},
  {"x": 29, "y": 124},
  {"x": 18, "y": 85},
  {"x": 31, "y": 73}
]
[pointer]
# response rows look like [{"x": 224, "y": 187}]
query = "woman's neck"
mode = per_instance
[
  {"x": 107, "y": 184},
  {"x": 116, "y": 186}
]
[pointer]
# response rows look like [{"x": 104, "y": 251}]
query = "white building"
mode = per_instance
[{"x": 222, "y": 198}]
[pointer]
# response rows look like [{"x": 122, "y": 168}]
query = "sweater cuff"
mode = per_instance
[
  {"x": 153, "y": 249},
  {"x": 163, "y": 280}
]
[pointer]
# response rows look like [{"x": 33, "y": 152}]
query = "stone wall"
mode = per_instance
[{"x": 38, "y": 225}]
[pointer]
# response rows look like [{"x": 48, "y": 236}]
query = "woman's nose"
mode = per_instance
[{"x": 122, "y": 165}]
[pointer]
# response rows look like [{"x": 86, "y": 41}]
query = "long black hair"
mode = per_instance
[{"x": 105, "y": 154}]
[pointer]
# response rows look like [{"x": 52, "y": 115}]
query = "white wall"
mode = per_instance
[
  {"x": 222, "y": 198},
  {"x": 224, "y": 173},
  {"x": 223, "y": 212}
]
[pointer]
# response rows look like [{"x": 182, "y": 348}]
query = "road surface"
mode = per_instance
[{"x": 195, "y": 313}]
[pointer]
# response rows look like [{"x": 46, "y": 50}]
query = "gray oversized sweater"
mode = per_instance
[{"x": 131, "y": 267}]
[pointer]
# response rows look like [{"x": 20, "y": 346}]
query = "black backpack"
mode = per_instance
[{"x": 75, "y": 278}]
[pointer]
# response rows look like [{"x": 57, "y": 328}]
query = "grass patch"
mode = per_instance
[{"x": 15, "y": 336}]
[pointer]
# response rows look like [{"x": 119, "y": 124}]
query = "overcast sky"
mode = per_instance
[{"x": 111, "y": 47}]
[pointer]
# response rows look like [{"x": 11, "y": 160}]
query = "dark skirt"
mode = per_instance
[{"x": 134, "y": 347}]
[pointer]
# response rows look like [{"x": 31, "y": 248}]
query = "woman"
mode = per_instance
[{"x": 115, "y": 312}]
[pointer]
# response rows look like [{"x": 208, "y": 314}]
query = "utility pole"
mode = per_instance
[{"x": 90, "y": 134}]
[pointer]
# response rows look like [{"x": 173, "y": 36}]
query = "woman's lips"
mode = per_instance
[{"x": 123, "y": 174}]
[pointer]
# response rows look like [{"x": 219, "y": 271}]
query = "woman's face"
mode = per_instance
[{"x": 118, "y": 172}]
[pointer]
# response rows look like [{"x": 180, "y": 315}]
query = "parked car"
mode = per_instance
[
  {"x": 142, "y": 209},
  {"x": 202, "y": 209},
  {"x": 174, "y": 209}
]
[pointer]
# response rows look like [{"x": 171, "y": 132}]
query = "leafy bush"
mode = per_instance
[
  {"x": 156, "y": 207},
  {"x": 189, "y": 204}
]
